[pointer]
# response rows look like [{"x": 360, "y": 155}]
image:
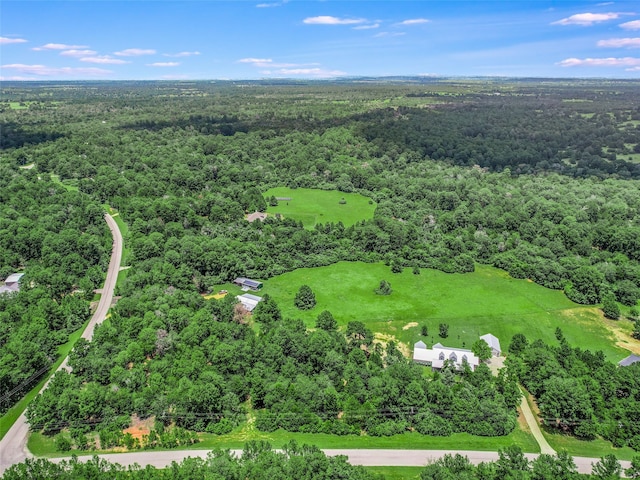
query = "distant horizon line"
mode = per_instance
[{"x": 322, "y": 80}]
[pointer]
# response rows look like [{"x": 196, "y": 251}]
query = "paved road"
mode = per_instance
[
  {"x": 369, "y": 458},
  {"x": 13, "y": 444}
]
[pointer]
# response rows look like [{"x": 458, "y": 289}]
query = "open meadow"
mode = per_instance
[
  {"x": 487, "y": 300},
  {"x": 311, "y": 206}
]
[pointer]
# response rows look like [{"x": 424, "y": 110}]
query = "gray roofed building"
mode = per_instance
[
  {"x": 493, "y": 343},
  {"x": 249, "y": 301},
  {"x": 439, "y": 354},
  {"x": 248, "y": 284},
  {"x": 630, "y": 360},
  {"x": 14, "y": 278}
]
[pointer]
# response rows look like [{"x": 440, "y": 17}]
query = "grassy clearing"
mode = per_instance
[
  {"x": 487, "y": 300},
  {"x": 320, "y": 206},
  {"x": 9, "y": 418},
  {"x": 583, "y": 448},
  {"x": 71, "y": 184}
]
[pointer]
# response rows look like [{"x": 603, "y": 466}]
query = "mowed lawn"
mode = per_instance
[
  {"x": 472, "y": 304},
  {"x": 320, "y": 206}
]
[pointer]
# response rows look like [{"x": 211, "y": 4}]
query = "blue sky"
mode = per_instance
[{"x": 199, "y": 39}]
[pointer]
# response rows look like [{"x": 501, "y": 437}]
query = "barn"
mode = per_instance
[
  {"x": 248, "y": 284},
  {"x": 249, "y": 301}
]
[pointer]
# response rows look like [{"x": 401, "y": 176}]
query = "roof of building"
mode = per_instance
[
  {"x": 249, "y": 301},
  {"x": 630, "y": 360},
  {"x": 492, "y": 341},
  {"x": 252, "y": 217},
  {"x": 432, "y": 356},
  {"x": 248, "y": 282},
  {"x": 14, "y": 277},
  {"x": 248, "y": 296},
  {"x": 420, "y": 344}
]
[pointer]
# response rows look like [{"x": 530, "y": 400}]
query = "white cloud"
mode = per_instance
[
  {"x": 328, "y": 20},
  {"x": 633, "y": 69},
  {"x": 255, "y": 60},
  {"x": 274, "y": 4},
  {"x": 389, "y": 34},
  {"x": 104, "y": 59},
  {"x": 44, "y": 71},
  {"x": 414, "y": 21},
  {"x": 77, "y": 53},
  {"x": 633, "y": 25},
  {"x": 163, "y": 64},
  {"x": 181, "y": 54},
  {"x": 367, "y": 27},
  {"x": 307, "y": 72},
  {"x": 7, "y": 40},
  {"x": 135, "y": 52},
  {"x": 58, "y": 46},
  {"x": 269, "y": 63},
  {"x": 620, "y": 43},
  {"x": 587, "y": 19},
  {"x": 600, "y": 62}
]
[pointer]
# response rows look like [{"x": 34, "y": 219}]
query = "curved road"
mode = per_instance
[{"x": 13, "y": 444}]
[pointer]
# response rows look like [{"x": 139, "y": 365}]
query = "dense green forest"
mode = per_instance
[
  {"x": 540, "y": 179},
  {"x": 58, "y": 238}
]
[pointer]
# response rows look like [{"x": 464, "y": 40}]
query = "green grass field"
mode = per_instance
[
  {"x": 320, "y": 206},
  {"x": 487, "y": 300}
]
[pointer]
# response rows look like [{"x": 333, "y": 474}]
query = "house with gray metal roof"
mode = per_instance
[
  {"x": 630, "y": 360},
  {"x": 439, "y": 354},
  {"x": 249, "y": 301},
  {"x": 248, "y": 284}
]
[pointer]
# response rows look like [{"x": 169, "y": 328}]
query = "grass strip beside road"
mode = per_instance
[
  {"x": 44, "y": 446},
  {"x": 9, "y": 418}
]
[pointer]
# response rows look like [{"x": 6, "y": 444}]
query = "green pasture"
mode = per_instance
[
  {"x": 487, "y": 300},
  {"x": 312, "y": 206}
]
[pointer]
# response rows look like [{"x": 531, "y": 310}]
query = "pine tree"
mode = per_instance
[{"x": 305, "y": 298}]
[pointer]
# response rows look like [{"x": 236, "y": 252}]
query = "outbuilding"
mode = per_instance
[
  {"x": 248, "y": 284},
  {"x": 249, "y": 301},
  {"x": 630, "y": 360},
  {"x": 494, "y": 344}
]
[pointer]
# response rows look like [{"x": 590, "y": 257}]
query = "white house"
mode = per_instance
[
  {"x": 437, "y": 355},
  {"x": 249, "y": 301},
  {"x": 493, "y": 343}
]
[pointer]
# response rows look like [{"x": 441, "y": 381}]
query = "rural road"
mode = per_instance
[
  {"x": 13, "y": 444},
  {"x": 369, "y": 458},
  {"x": 534, "y": 427}
]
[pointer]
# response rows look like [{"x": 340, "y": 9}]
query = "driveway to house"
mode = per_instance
[
  {"x": 13, "y": 446},
  {"x": 368, "y": 458}
]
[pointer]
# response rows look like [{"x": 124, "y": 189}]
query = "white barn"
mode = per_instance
[
  {"x": 249, "y": 301},
  {"x": 437, "y": 355},
  {"x": 493, "y": 343}
]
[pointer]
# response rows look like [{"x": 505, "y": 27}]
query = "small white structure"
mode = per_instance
[
  {"x": 493, "y": 343},
  {"x": 249, "y": 301},
  {"x": 437, "y": 355},
  {"x": 11, "y": 283}
]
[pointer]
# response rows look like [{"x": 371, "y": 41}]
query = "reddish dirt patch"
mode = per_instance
[{"x": 139, "y": 427}]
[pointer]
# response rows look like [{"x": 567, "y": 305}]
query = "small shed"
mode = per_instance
[
  {"x": 252, "y": 217},
  {"x": 630, "y": 360},
  {"x": 249, "y": 301},
  {"x": 493, "y": 343},
  {"x": 248, "y": 284},
  {"x": 13, "y": 279}
]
